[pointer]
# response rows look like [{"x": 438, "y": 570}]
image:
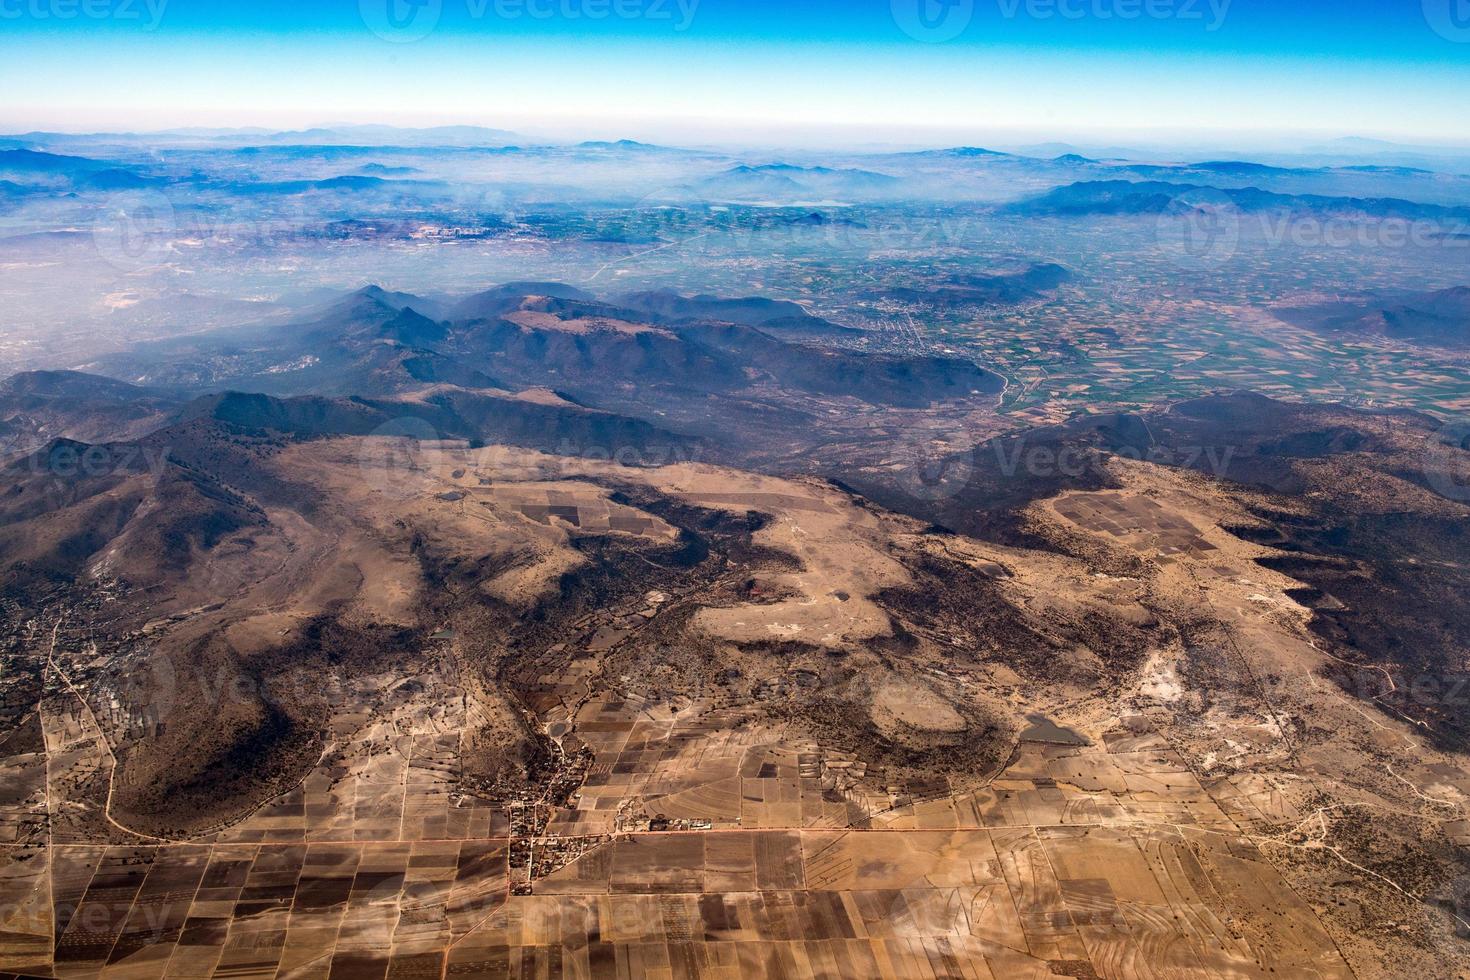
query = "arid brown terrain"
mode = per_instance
[{"x": 397, "y": 685}]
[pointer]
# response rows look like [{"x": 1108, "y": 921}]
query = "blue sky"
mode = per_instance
[{"x": 898, "y": 67}]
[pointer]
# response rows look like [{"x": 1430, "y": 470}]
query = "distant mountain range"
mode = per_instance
[
  {"x": 352, "y": 135},
  {"x": 781, "y": 181},
  {"x": 36, "y": 171},
  {"x": 1002, "y": 288},
  {"x": 1151, "y": 197},
  {"x": 1432, "y": 319},
  {"x": 770, "y": 315},
  {"x": 40, "y": 406},
  {"x": 386, "y": 173},
  {"x": 523, "y": 363}
]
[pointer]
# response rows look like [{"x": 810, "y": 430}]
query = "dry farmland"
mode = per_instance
[{"x": 724, "y": 768}]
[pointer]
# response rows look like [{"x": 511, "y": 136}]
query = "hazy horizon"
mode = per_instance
[
  {"x": 646, "y": 68},
  {"x": 849, "y": 139}
]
